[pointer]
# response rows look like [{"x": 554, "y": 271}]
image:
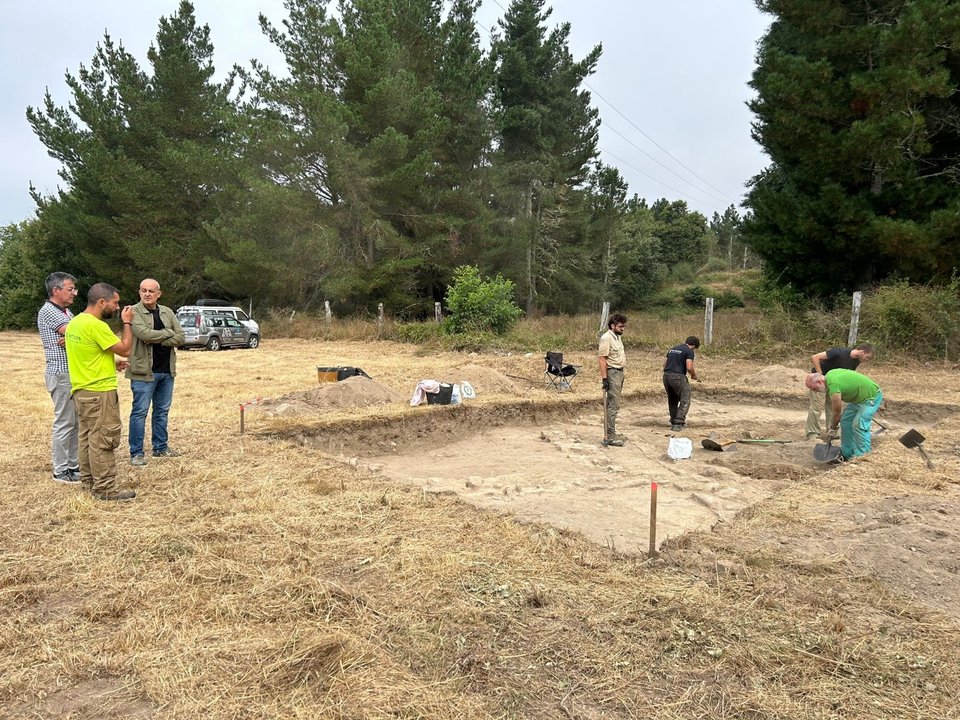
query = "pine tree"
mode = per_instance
[
  {"x": 857, "y": 106},
  {"x": 547, "y": 136},
  {"x": 144, "y": 157}
]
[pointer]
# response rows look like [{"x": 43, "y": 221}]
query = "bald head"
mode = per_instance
[{"x": 149, "y": 293}]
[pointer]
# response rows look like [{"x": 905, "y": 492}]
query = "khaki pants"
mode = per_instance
[
  {"x": 615, "y": 376},
  {"x": 817, "y": 406},
  {"x": 98, "y": 416}
]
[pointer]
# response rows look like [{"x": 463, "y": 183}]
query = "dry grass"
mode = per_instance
[{"x": 257, "y": 578}]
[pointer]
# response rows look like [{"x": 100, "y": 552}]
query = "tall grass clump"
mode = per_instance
[{"x": 922, "y": 321}]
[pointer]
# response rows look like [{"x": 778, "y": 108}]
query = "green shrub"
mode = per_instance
[
  {"x": 921, "y": 320},
  {"x": 682, "y": 272},
  {"x": 715, "y": 264},
  {"x": 768, "y": 295},
  {"x": 694, "y": 295},
  {"x": 477, "y": 305},
  {"x": 726, "y": 300}
]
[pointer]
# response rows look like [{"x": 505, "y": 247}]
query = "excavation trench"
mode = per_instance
[{"x": 545, "y": 463}]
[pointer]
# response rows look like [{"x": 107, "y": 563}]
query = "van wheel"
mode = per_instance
[
  {"x": 253, "y": 341},
  {"x": 213, "y": 343}
]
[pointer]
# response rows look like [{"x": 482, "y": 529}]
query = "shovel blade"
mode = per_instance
[
  {"x": 824, "y": 452},
  {"x": 912, "y": 439}
]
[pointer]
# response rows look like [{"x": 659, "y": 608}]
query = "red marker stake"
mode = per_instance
[
  {"x": 653, "y": 520},
  {"x": 241, "y": 418}
]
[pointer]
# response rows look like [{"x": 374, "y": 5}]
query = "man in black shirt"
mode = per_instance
[
  {"x": 679, "y": 362},
  {"x": 823, "y": 362}
]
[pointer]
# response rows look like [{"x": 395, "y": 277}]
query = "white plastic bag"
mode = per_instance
[
  {"x": 466, "y": 391},
  {"x": 680, "y": 448}
]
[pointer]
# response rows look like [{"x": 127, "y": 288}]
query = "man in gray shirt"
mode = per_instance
[{"x": 52, "y": 319}]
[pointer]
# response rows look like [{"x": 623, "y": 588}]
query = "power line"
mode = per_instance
[
  {"x": 660, "y": 147},
  {"x": 664, "y": 150}
]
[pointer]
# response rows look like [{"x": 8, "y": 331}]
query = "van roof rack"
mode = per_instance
[{"x": 213, "y": 302}]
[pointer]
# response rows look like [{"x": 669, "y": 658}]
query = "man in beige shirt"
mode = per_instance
[{"x": 612, "y": 359}]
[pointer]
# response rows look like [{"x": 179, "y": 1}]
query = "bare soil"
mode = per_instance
[
  {"x": 547, "y": 465},
  {"x": 351, "y": 556}
]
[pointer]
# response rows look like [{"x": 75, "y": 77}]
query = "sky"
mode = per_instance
[{"x": 670, "y": 86}]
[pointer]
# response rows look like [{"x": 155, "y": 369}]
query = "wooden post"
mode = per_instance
[
  {"x": 708, "y": 323},
  {"x": 327, "y": 313},
  {"x": 604, "y": 317},
  {"x": 437, "y": 313},
  {"x": 652, "y": 552},
  {"x": 241, "y": 418},
  {"x": 854, "y": 319},
  {"x": 380, "y": 316}
]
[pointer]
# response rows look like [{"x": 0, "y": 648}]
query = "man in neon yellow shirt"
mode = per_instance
[
  {"x": 862, "y": 397},
  {"x": 91, "y": 349}
]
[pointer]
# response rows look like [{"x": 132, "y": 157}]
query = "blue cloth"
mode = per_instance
[
  {"x": 855, "y": 426},
  {"x": 159, "y": 392}
]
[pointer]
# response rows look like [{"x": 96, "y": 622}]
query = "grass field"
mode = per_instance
[{"x": 258, "y": 577}]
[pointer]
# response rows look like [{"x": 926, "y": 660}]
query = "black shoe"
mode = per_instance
[
  {"x": 116, "y": 495},
  {"x": 676, "y": 428},
  {"x": 66, "y": 477},
  {"x": 75, "y": 474},
  {"x": 611, "y": 442}
]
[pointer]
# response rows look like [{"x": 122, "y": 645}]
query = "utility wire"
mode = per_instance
[
  {"x": 638, "y": 129},
  {"x": 663, "y": 149}
]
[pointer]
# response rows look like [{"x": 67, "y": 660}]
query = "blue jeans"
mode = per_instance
[
  {"x": 855, "y": 426},
  {"x": 160, "y": 393}
]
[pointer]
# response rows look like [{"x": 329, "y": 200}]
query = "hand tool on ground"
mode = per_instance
[
  {"x": 913, "y": 439},
  {"x": 722, "y": 445},
  {"x": 826, "y": 452}
]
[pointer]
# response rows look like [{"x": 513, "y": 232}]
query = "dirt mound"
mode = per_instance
[
  {"x": 483, "y": 379},
  {"x": 775, "y": 376},
  {"x": 352, "y": 392}
]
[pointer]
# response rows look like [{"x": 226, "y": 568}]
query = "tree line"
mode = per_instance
[
  {"x": 392, "y": 150},
  {"x": 395, "y": 148}
]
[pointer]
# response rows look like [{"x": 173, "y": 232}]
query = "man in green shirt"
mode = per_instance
[
  {"x": 91, "y": 349},
  {"x": 862, "y": 397}
]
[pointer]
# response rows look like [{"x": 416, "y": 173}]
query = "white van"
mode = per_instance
[{"x": 214, "y": 307}]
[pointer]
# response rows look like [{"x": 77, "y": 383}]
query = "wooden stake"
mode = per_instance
[
  {"x": 653, "y": 520},
  {"x": 241, "y": 418}
]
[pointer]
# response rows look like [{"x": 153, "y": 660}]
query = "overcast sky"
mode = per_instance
[{"x": 671, "y": 84}]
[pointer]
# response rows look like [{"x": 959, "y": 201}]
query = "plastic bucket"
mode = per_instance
[
  {"x": 327, "y": 374},
  {"x": 442, "y": 396},
  {"x": 345, "y": 372}
]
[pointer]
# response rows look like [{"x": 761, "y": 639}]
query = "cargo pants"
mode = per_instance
[{"x": 98, "y": 417}]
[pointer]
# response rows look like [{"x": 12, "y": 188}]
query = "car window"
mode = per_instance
[
  {"x": 232, "y": 322},
  {"x": 241, "y": 315}
]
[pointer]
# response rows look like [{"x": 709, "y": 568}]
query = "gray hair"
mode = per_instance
[{"x": 55, "y": 281}]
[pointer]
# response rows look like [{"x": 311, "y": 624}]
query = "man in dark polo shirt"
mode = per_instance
[{"x": 679, "y": 362}]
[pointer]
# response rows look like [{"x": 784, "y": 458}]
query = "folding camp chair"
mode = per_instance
[{"x": 557, "y": 375}]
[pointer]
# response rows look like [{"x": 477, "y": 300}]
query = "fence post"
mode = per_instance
[
  {"x": 437, "y": 313},
  {"x": 380, "y": 316},
  {"x": 604, "y": 317},
  {"x": 855, "y": 319},
  {"x": 327, "y": 314},
  {"x": 708, "y": 323}
]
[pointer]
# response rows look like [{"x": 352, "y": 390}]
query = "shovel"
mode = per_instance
[
  {"x": 913, "y": 439},
  {"x": 826, "y": 452},
  {"x": 718, "y": 445}
]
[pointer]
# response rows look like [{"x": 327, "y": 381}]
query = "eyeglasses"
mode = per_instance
[{"x": 69, "y": 290}]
